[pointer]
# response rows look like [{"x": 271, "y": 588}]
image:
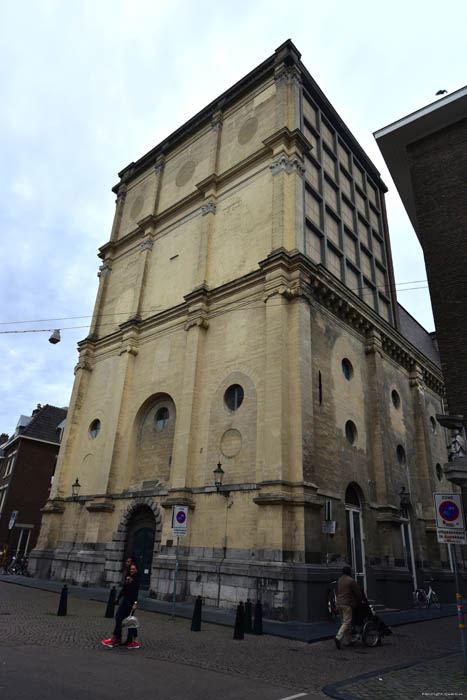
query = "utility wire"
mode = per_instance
[{"x": 129, "y": 313}]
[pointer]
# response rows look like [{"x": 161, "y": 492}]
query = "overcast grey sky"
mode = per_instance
[{"x": 89, "y": 86}]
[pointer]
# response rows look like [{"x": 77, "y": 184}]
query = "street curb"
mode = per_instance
[
  {"x": 332, "y": 688},
  {"x": 307, "y": 632}
]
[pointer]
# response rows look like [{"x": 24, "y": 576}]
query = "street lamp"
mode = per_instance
[
  {"x": 218, "y": 478},
  {"x": 75, "y": 490},
  {"x": 404, "y": 502}
]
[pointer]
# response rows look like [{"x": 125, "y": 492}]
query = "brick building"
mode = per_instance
[
  {"x": 27, "y": 465},
  {"x": 426, "y": 153},
  {"x": 246, "y": 315}
]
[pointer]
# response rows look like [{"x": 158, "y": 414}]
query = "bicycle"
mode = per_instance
[
  {"x": 424, "y": 599},
  {"x": 18, "y": 566}
]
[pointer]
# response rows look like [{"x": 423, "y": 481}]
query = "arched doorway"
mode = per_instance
[
  {"x": 140, "y": 542},
  {"x": 355, "y": 534}
]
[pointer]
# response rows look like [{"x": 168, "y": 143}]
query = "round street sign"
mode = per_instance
[
  {"x": 448, "y": 511},
  {"x": 181, "y": 517}
]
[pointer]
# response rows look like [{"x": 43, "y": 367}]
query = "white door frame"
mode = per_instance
[
  {"x": 354, "y": 509},
  {"x": 411, "y": 568}
]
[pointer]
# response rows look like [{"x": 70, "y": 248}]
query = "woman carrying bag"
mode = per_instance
[{"x": 127, "y": 598}]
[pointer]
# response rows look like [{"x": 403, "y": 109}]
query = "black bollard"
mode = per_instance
[
  {"x": 63, "y": 601},
  {"x": 239, "y": 622},
  {"x": 258, "y": 623},
  {"x": 109, "y": 611},
  {"x": 196, "y": 619},
  {"x": 247, "y": 621}
]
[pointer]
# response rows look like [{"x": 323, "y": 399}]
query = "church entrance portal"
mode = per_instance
[{"x": 140, "y": 542}]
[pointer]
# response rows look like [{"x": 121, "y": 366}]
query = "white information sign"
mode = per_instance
[
  {"x": 450, "y": 524},
  {"x": 329, "y": 527},
  {"x": 179, "y": 520}
]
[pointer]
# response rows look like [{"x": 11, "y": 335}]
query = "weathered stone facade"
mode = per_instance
[{"x": 246, "y": 315}]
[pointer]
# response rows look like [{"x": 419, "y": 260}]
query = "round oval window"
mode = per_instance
[
  {"x": 396, "y": 400},
  {"x": 162, "y": 418},
  {"x": 233, "y": 397},
  {"x": 347, "y": 368},
  {"x": 400, "y": 454},
  {"x": 94, "y": 428},
  {"x": 350, "y": 432}
]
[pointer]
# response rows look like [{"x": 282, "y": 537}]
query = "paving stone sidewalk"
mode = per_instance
[
  {"x": 285, "y": 658},
  {"x": 438, "y": 677}
]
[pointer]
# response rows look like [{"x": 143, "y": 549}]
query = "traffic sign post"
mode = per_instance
[
  {"x": 450, "y": 529},
  {"x": 179, "y": 520},
  {"x": 450, "y": 524},
  {"x": 179, "y": 526}
]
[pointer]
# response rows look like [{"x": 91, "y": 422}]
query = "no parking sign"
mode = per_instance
[
  {"x": 449, "y": 518},
  {"x": 179, "y": 520}
]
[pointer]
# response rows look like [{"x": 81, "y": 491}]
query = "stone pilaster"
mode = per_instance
[
  {"x": 145, "y": 252},
  {"x": 118, "y": 212},
  {"x": 195, "y": 328},
  {"x": 63, "y": 478},
  {"x": 275, "y": 433},
  {"x": 420, "y": 487},
  {"x": 159, "y": 173},
  {"x": 378, "y": 416},
  {"x": 118, "y": 408},
  {"x": 104, "y": 272}
]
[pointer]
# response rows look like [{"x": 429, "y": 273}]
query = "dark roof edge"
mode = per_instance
[{"x": 286, "y": 53}]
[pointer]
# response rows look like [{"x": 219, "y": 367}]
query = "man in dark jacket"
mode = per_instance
[
  {"x": 127, "y": 597},
  {"x": 349, "y": 596}
]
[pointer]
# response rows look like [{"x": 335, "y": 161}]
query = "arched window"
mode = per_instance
[{"x": 351, "y": 496}]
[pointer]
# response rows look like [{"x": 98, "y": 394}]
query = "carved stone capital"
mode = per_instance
[
  {"x": 288, "y": 75},
  {"x": 416, "y": 377},
  {"x": 199, "y": 321},
  {"x": 121, "y": 194},
  {"x": 208, "y": 208},
  {"x": 287, "y": 165},
  {"x": 147, "y": 244},
  {"x": 130, "y": 348},
  {"x": 159, "y": 166},
  {"x": 83, "y": 364},
  {"x": 104, "y": 270},
  {"x": 216, "y": 122}
]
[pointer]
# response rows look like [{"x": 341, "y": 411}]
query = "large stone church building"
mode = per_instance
[{"x": 246, "y": 317}]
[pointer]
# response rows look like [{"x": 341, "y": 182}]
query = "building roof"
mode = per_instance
[
  {"x": 414, "y": 332},
  {"x": 44, "y": 424},
  {"x": 394, "y": 139},
  {"x": 288, "y": 54}
]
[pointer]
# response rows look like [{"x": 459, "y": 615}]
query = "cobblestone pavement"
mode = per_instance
[
  {"x": 437, "y": 678},
  {"x": 28, "y": 617}
]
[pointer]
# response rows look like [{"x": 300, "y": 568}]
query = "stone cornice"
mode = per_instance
[
  {"x": 291, "y": 141},
  {"x": 329, "y": 292},
  {"x": 294, "y": 276}
]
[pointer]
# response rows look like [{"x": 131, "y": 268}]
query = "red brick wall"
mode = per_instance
[{"x": 29, "y": 486}]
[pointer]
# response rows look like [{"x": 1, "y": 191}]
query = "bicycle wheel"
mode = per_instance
[
  {"x": 370, "y": 634},
  {"x": 434, "y": 601}
]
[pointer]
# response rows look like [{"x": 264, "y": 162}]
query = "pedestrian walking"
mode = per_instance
[
  {"x": 349, "y": 596},
  {"x": 127, "y": 597}
]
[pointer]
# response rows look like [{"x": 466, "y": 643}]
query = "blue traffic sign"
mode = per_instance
[{"x": 448, "y": 511}]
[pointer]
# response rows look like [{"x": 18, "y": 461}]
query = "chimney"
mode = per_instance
[
  {"x": 3, "y": 438},
  {"x": 36, "y": 410}
]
